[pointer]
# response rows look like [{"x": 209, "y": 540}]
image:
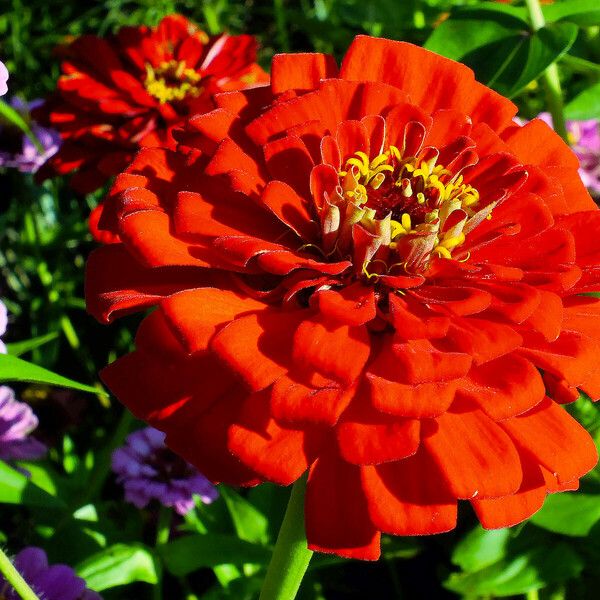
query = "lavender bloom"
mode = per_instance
[
  {"x": 17, "y": 151},
  {"x": 17, "y": 421},
  {"x": 56, "y": 582},
  {"x": 584, "y": 137},
  {"x": 3, "y": 79},
  {"x": 149, "y": 470}
]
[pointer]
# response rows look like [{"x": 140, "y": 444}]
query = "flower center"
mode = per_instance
[
  {"x": 416, "y": 208},
  {"x": 169, "y": 465},
  {"x": 171, "y": 81}
]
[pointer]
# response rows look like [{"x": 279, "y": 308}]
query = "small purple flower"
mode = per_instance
[
  {"x": 584, "y": 137},
  {"x": 3, "y": 79},
  {"x": 56, "y": 582},
  {"x": 18, "y": 151},
  {"x": 149, "y": 470},
  {"x": 17, "y": 421}
]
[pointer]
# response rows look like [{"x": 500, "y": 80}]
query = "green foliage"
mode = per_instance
[
  {"x": 119, "y": 565},
  {"x": 16, "y": 369}
]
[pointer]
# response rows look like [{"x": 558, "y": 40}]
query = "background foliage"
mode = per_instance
[{"x": 71, "y": 505}]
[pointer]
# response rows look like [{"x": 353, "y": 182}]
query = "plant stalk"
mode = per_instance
[
  {"x": 550, "y": 77},
  {"x": 15, "y": 579},
  {"x": 291, "y": 554}
]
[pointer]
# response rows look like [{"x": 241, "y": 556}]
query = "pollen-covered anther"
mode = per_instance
[
  {"x": 172, "y": 80},
  {"x": 415, "y": 209}
]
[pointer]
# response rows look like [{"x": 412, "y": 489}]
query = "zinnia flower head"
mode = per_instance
[
  {"x": 149, "y": 471},
  {"x": 17, "y": 421},
  {"x": 3, "y": 79},
  {"x": 370, "y": 273},
  {"x": 17, "y": 150},
  {"x": 584, "y": 137},
  {"x": 127, "y": 91},
  {"x": 55, "y": 582}
]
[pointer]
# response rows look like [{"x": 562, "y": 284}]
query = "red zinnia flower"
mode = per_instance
[
  {"x": 128, "y": 91},
  {"x": 372, "y": 274}
]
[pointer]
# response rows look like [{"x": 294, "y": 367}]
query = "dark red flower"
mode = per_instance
[
  {"x": 372, "y": 274},
  {"x": 129, "y": 90}
]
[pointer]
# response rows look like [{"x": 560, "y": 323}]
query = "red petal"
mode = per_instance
[
  {"x": 352, "y": 305},
  {"x": 458, "y": 301},
  {"x": 556, "y": 440},
  {"x": 289, "y": 160},
  {"x": 483, "y": 340},
  {"x": 495, "y": 513},
  {"x": 419, "y": 362},
  {"x": 205, "y": 442},
  {"x": 475, "y": 455},
  {"x": 197, "y": 314},
  {"x": 116, "y": 283},
  {"x": 338, "y": 352},
  {"x": 290, "y": 208},
  {"x": 293, "y": 401},
  {"x": 408, "y": 497},
  {"x": 402, "y": 65},
  {"x": 368, "y": 437},
  {"x": 425, "y": 400},
  {"x": 300, "y": 71},
  {"x": 257, "y": 346},
  {"x": 536, "y": 143},
  {"x": 413, "y": 321},
  {"x": 337, "y": 520},
  {"x": 505, "y": 387},
  {"x": 280, "y": 454}
]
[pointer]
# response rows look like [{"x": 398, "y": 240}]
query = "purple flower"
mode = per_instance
[
  {"x": 3, "y": 79},
  {"x": 56, "y": 582},
  {"x": 18, "y": 151},
  {"x": 17, "y": 421},
  {"x": 584, "y": 137},
  {"x": 149, "y": 470}
]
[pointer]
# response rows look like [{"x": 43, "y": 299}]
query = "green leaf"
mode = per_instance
[
  {"x": 569, "y": 514},
  {"x": 119, "y": 565},
  {"x": 518, "y": 574},
  {"x": 250, "y": 524},
  {"x": 18, "y": 348},
  {"x": 511, "y": 16},
  {"x": 16, "y": 369},
  {"x": 585, "y": 105},
  {"x": 503, "y": 58},
  {"x": 582, "y": 12},
  {"x": 193, "y": 552},
  {"x": 8, "y": 113},
  {"x": 457, "y": 38},
  {"x": 17, "y": 488},
  {"x": 481, "y": 548}
]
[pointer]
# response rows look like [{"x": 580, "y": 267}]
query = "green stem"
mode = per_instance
[
  {"x": 163, "y": 531},
  {"x": 281, "y": 20},
  {"x": 15, "y": 579},
  {"x": 291, "y": 555},
  {"x": 163, "y": 527},
  {"x": 532, "y": 595},
  {"x": 550, "y": 77},
  {"x": 581, "y": 65},
  {"x": 103, "y": 468}
]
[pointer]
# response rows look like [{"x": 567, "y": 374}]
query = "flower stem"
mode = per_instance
[
  {"x": 163, "y": 527},
  {"x": 550, "y": 77},
  {"x": 15, "y": 579},
  {"x": 163, "y": 531},
  {"x": 291, "y": 554}
]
